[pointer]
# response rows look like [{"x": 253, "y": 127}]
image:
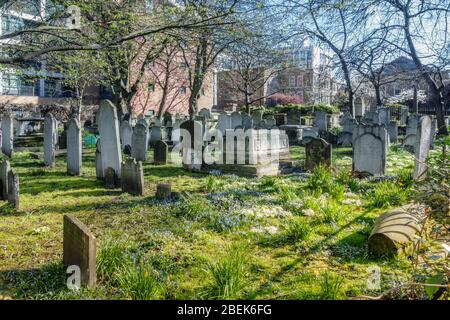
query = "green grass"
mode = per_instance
[{"x": 231, "y": 237}]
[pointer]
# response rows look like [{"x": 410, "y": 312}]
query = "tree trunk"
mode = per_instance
[{"x": 378, "y": 95}]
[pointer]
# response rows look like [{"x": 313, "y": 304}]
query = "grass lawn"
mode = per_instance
[{"x": 299, "y": 236}]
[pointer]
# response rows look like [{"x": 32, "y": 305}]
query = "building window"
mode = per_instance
[
  {"x": 151, "y": 87},
  {"x": 183, "y": 90},
  {"x": 291, "y": 81},
  {"x": 15, "y": 85}
]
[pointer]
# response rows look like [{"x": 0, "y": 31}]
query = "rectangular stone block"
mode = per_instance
[{"x": 80, "y": 247}]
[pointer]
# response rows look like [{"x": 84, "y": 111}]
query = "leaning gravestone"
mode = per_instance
[
  {"x": 98, "y": 161},
  {"x": 370, "y": 149},
  {"x": 318, "y": 152},
  {"x": 139, "y": 142},
  {"x": 161, "y": 152},
  {"x": 132, "y": 177},
  {"x": 80, "y": 248},
  {"x": 50, "y": 139},
  {"x": 13, "y": 188},
  {"x": 7, "y": 134},
  {"x": 108, "y": 126},
  {"x": 4, "y": 170},
  {"x": 422, "y": 148},
  {"x": 126, "y": 132},
  {"x": 74, "y": 148}
]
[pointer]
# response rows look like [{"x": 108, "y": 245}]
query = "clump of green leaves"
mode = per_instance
[
  {"x": 386, "y": 194},
  {"x": 330, "y": 286}
]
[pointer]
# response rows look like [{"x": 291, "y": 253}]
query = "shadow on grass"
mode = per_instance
[
  {"x": 45, "y": 282},
  {"x": 170, "y": 171},
  {"x": 314, "y": 249},
  {"x": 70, "y": 183}
]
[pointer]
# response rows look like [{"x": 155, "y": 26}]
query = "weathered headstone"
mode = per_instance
[
  {"x": 50, "y": 138},
  {"x": 403, "y": 115},
  {"x": 80, "y": 248},
  {"x": 7, "y": 134},
  {"x": 257, "y": 116},
  {"x": 370, "y": 149},
  {"x": 74, "y": 148},
  {"x": 318, "y": 152},
  {"x": 108, "y": 126},
  {"x": 132, "y": 177},
  {"x": 156, "y": 134},
  {"x": 236, "y": 119},
  {"x": 224, "y": 122},
  {"x": 126, "y": 133},
  {"x": 175, "y": 134},
  {"x": 161, "y": 152},
  {"x": 4, "y": 170},
  {"x": 205, "y": 113},
  {"x": 270, "y": 121},
  {"x": 13, "y": 189},
  {"x": 139, "y": 142},
  {"x": 247, "y": 121},
  {"x": 393, "y": 131},
  {"x": 384, "y": 115},
  {"x": 422, "y": 148},
  {"x": 111, "y": 178},
  {"x": 163, "y": 191}
]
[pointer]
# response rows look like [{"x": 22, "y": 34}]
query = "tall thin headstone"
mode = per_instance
[
  {"x": 422, "y": 148},
  {"x": 13, "y": 189},
  {"x": 108, "y": 126},
  {"x": 50, "y": 140},
  {"x": 74, "y": 148},
  {"x": 139, "y": 142},
  {"x": 4, "y": 170}
]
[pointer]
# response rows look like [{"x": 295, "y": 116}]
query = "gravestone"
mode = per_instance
[
  {"x": 403, "y": 115},
  {"x": 139, "y": 142},
  {"x": 247, "y": 121},
  {"x": 4, "y": 170},
  {"x": 108, "y": 126},
  {"x": 257, "y": 116},
  {"x": 411, "y": 131},
  {"x": 111, "y": 178},
  {"x": 13, "y": 188},
  {"x": 270, "y": 121},
  {"x": 236, "y": 119},
  {"x": 161, "y": 152},
  {"x": 80, "y": 248},
  {"x": 74, "y": 148},
  {"x": 205, "y": 113},
  {"x": 294, "y": 117},
  {"x": 370, "y": 149},
  {"x": 224, "y": 122},
  {"x": 98, "y": 161},
  {"x": 384, "y": 116},
  {"x": 192, "y": 144},
  {"x": 318, "y": 152},
  {"x": 156, "y": 134},
  {"x": 422, "y": 148},
  {"x": 393, "y": 131},
  {"x": 50, "y": 138},
  {"x": 321, "y": 121},
  {"x": 360, "y": 109},
  {"x": 7, "y": 134},
  {"x": 163, "y": 191},
  {"x": 132, "y": 177},
  {"x": 126, "y": 133},
  {"x": 175, "y": 134}
]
